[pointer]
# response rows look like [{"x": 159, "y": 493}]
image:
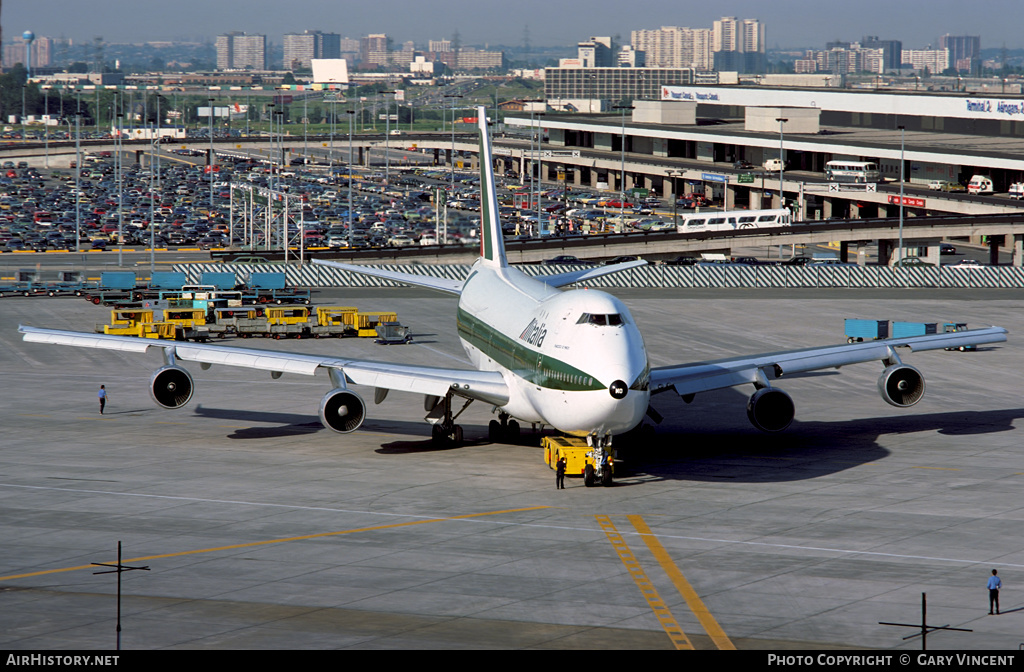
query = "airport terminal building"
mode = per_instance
[{"x": 689, "y": 138}]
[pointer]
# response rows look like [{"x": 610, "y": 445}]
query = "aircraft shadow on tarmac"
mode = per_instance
[
  {"x": 712, "y": 445},
  {"x": 728, "y": 450}
]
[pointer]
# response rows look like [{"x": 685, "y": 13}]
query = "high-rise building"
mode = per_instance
[
  {"x": 373, "y": 49},
  {"x": 300, "y": 48},
  {"x": 934, "y": 61},
  {"x": 964, "y": 50},
  {"x": 892, "y": 51},
  {"x": 439, "y": 45},
  {"x": 595, "y": 53},
  {"x": 738, "y": 45},
  {"x": 675, "y": 47},
  {"x": 238, "y": 51}
]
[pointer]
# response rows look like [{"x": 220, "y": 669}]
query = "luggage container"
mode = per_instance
[
  {"x": 392, "y": 333},
  {"x": 901, "y": 329},
  {"x": 858, "y": 330}
]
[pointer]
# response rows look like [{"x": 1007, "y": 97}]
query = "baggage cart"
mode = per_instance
[{"x": 858, "y": 330}]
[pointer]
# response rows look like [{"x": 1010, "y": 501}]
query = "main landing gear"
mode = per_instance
[
  {"x": 503, "y": 429},
  {"x": 443, "y": 429}
]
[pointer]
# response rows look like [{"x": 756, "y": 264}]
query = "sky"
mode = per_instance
[{"x": 789, "y": 23}]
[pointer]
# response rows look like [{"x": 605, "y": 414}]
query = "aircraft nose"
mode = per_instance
[{"x": 618, "y": 389}]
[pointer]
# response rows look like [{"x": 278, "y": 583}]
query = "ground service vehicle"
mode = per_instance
[
  {"x": 579, "y": 458},
  {"x": 852, "y": 171},
  {"x": 1017, "y": 190},
  {"x": 980, "y": 184}
]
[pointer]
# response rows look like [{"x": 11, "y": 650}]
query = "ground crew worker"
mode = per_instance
[
  {"x": 560, "y": 474},
  {"x": 994, "y": 584},
  {"x": 103, "y": 398}
]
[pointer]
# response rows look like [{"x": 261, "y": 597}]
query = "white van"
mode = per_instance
[
  {"x": 980, "y": 184},
  {"x": 1017, "y": 190},
  {"x": 773, "y": 165}
]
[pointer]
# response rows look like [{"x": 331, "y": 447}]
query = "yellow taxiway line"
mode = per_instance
[
  {"x": 277, "y": 541},
  {"x": 658, "y": 606},
  {"x": 693, "y": 600}
]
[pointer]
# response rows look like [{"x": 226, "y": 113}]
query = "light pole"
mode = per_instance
[
  {"x": 351, "y": 118},
  {"x": 120, "y": 192},
  {"x": 622, "y": 159},
  {"x": 78, "y": 187},
  {"x": 270, "y": 153},
  {"x": 782, "y": 162},
  {"x": 451, "y": 158},
  {"x": 899, "y": 254},
  {"x": 387, "y": 136},
  {"x": 210, "y": 162}
]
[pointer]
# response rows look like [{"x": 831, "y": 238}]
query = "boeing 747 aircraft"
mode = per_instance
[{"x": 573, "y": 360}]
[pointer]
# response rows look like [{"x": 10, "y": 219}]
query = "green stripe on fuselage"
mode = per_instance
[{"x": 522, "y": 360}]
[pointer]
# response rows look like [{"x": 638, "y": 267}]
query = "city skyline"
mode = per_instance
[{"x": 790, "y": 23}]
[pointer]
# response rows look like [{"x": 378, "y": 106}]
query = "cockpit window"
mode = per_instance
[{"x": 613, "y": 320}]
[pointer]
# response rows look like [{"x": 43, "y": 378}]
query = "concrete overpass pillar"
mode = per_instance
[
  {"x": 994, "y": 243},
  {"x": 826, "y": 208},
  {"x": 885, "y": 251},
  {"x": 360, "y": 157},
  {"x": 1018, "y": 250},
  {"x": 730, "y": 198},
  {"x": 883, "y": 210}
]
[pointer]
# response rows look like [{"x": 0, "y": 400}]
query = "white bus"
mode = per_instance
[
  {"x": 852, "y": 171},
  {"x": 736, "y": 219}
]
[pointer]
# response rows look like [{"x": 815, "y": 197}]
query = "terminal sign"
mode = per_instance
[
  {"x": 713, "y": 177},
  {"x": 907, "y": 200}
]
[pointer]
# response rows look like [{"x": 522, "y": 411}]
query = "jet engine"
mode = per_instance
[
  {"x": 342, "y": 410},
  {"x": 171, "y": 387},
  {"x": 770, "y": 410},
  {"x": 901, "y": 385}
]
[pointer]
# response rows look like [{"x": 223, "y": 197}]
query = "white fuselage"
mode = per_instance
[{"x": 562, "y": 354}]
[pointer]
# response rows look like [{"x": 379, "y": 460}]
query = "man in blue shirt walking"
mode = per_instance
[
  {"x": 994, "y": 584},
  {"x": 103, "y": 398}
]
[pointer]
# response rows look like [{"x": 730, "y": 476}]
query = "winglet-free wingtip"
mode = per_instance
[{"x": 492, "y": 243}]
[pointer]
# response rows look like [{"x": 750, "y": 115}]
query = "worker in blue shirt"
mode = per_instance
[
  {"x": 103, "y": 397},
  {"x": 994, "y": 584}
]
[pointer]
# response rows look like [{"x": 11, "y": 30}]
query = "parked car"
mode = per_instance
[
  {"x": 742, "y": 165},
  {"x": 913, "y": 262}
]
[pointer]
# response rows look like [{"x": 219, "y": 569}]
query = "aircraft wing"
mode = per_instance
[
  {"x": 486, "y": 386},
  {"x": 721, "y": 373},
  {"x": 563, "y": 279},
  {"x": 447, "y": 285}
]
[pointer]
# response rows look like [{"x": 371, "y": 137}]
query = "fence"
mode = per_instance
[{"x": 661, "y": 276}]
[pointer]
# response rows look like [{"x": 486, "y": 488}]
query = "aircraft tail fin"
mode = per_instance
[{"x": 492, "y": 243}]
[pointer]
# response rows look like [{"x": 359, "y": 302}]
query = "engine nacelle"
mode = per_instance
[
  {"x": 770, "y": 410},
  {"x": 901, "y": 385},
  {"x": 342, "y": 410},
  {"x": 171, "y": 387}
]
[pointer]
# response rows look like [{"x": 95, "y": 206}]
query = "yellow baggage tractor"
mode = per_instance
[
  {"x": 126, "y": 322},
  {"x": 579, "y": 458}
]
